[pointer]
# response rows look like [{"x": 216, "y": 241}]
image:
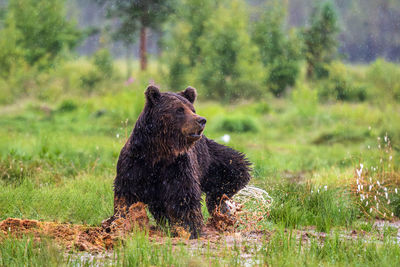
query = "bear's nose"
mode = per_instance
[{"x": 202, "y": 121}]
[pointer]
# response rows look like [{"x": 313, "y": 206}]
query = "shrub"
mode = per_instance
[
  {"x": 261, "y": 108},
  {"x": 279, "y": 54},
  {"x": 103, "y": 61},
  {"x": 305, "y": 100},
  {"x": 339, "y": 85},
  {"x": 385, "y": 78},
  {"x": 181, "y": 43},
  {"x": 209, "y": 44},
  {"x": 237, "y": 124},
  {"x": 282, "y": 74},
  {"x": 230, "y": 66},
  {"x": 45, "y": 31},
  {"x": 67, "y": 105},
  {"x": 38, "y": 21},
  {"x": 11, "y": 55}
]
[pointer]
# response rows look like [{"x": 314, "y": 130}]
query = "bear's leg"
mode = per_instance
[
  {"x": 159, "y": 213},
  {"x": 229, "y": 172},
  {"x": 183, "y": 207}
]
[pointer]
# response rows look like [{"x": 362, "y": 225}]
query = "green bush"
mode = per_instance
[
  {"x": 67, "y": 105},
  {"x": 237, "y": 124},
  {"x": 385, "y": 78},
  {"x": 261, "y": 108},
  {"x": 11, "y": 55},
  {"x": 90, "y": 80},
  {"x": 305, "y": 100},
  {"x": 339, "y": 85},
  {"x": 44, "y": 30},
  {"x": 320, "y": 44},
  {"x": 280, "y": 53},
  {"x": 181, "y": 42},
  {"x": 208, "y": 45},
  {"x": 282, "y": 74},
  {"x": 103, "y": 61},
  {"x": 230, "y": 66}
]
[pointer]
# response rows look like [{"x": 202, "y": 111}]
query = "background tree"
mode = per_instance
[
  {"x": 139, "y": 14},
  {"x": 279, "y": 51},
  {"x": 181, "y": 43},
  {"x": 11, "y": 55},
  {"x": 320, "y": 40},
  {"x": 230, "y": 66},
  {"x": 44, "y": 29}
]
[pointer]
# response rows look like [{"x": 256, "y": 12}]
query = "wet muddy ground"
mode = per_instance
[{"x": 220, "y": 229}]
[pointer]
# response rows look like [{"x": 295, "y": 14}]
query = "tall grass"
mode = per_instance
[
  {"x": 28, "y": 252},
  {"x": 288, "y": 249},
  {"x": 297, "y": 205}
]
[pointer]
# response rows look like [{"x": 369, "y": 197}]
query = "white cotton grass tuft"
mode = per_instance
[
  {"x": 359, "y": 171},
  {"x": 373, "y": 184}
]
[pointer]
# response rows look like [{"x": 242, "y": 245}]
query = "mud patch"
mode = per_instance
[{"x": 80, "y": 237}]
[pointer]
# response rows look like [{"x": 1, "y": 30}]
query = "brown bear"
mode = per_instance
[{"x": 167, "y": 163}]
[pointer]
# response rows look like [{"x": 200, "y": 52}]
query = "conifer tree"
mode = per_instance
[
  {"x": 279, "y": 51},
  {"x": 320, "y": 40},
  {"x": 139, "y": 15}
]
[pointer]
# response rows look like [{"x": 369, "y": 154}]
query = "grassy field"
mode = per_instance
[{"x": 58, "y": 162}]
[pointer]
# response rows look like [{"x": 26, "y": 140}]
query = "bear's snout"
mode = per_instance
[{"x": 202, "y": 121}]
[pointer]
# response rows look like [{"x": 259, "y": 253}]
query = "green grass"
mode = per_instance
[
  {"x": 297, "y": 205},
  {"x": 285, "y": 249},
  {"x": 27, "y": 252},
  {"x": 58, "y": 160}
]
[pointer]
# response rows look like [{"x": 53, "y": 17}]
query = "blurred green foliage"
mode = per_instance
[
  {"x": 237, "y": 124},
  {"x": 306, "y": 101},
  {"x": 230, "y": 61},
  {"x": 385, "y": 79},
  {"x": 208, "y": 44},
  {"x": 43, "y": 29},
  {"x": 11, "y": 55},
  {"x": 340, "y": 85},
  {"x": 280, "y": 52},
  {"x": 103, "y": 61},
  {"x": 320, "y": 39},
  {"x": 212, "y": 47},
  {"x": 182, "y": 44}
]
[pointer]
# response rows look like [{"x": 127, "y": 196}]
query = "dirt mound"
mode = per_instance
[
  {"x": 126, "y": 221},
  {"x": 81, "y": 237}
]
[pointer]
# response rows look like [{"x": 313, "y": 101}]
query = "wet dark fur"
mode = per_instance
[{"x": 163, "y": 167}]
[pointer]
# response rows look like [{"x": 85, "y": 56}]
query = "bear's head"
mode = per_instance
[{"x": 170, "y": 121}]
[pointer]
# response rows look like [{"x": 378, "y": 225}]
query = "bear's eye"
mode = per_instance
[{"x": 180, "y": 110}]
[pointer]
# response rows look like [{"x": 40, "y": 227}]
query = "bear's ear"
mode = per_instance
[
  {"x": 152, "y": 94},
  {"x": 190, "y": 94}
]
